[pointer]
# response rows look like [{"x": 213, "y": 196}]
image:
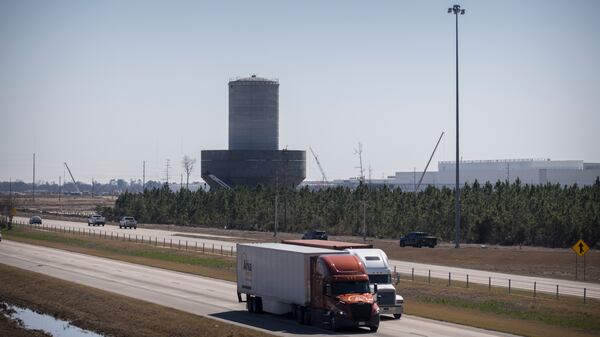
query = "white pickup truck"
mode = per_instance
[
  {"x": 128, "y": 222},
  {"x": 96, "y": 220}
]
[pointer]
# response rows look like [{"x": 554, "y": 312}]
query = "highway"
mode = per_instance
[
  {"x": 527, "y": 283},
  {"x": 198, "y": 295}
]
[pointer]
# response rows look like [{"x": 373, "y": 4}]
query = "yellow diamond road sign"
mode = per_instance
[{"x": 580, "y": 248}]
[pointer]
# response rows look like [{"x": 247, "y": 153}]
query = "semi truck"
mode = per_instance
[
  {"x": 377, "y": 267},
  {"x": 323, "y": 287}
]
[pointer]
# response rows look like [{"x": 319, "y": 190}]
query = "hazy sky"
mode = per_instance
[{"x": 104, "y": 85}]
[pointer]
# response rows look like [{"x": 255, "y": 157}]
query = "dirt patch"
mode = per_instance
[{"x": 62, "y": 208}]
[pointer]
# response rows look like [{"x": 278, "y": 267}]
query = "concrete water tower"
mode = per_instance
[{"x": 253, "y": 157}]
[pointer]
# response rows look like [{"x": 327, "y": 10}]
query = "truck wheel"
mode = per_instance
[
  {"x": 306, "y": 316},
  {"x": 300, "y": 314},
  {"x": 332, "y": 323},
  {"x": 258, "y": 308},
  {"x": 402, "y": 244},
  {"x": 250, "y": 304},
  {"x": 397, "y": 316}
]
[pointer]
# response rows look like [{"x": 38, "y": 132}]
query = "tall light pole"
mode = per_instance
[{"x": 456, "y": 10}]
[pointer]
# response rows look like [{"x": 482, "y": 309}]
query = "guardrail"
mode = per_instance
[
  {"x": 134, "y": 238},
  {"x": 509, "y": 284}
]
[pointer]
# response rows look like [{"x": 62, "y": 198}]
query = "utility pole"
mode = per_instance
[
  {"x": 415, "y": 180},
  {"x": 59, "y": 188},
  {"x": 144, "y": 176},
  {"x": 92, "y": 187},
  {"x": 33, "y": 192},
  {"x": 276, "y": 201},
  {"x": 275, "y": 225},
  {"x": 456, "y": 10},
  {"x": 364, "y": 220},
  {"x": 168, "y": 166},
  {"x": 359, "y": 152}
]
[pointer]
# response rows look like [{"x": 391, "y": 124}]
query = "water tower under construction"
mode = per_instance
[{"x": 253, "y": 157}]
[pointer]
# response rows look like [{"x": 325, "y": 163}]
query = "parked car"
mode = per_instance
[
  {"x": 315, "y": 235},
  {"x": 96, "y": 220},
  {"x": 35, "y": 220},
  {"x": 0, "y": 237},
  {"x": 418, "y": 239},
  {"x": 128, "y": 222}
]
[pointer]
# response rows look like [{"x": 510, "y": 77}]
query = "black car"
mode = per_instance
[
  {"x": 315, "y": 235},
  {"x": 418, "y": 239},
  {"x": 35, "y": 220}
]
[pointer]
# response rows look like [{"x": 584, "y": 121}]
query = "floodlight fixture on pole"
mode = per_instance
[{"x": 456, "y": 10}]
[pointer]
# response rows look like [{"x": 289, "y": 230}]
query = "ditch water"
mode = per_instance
[{"x": 53, "y": 326}]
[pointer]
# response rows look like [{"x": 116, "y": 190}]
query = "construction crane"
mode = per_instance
[
  {"x": 426, "y": 166},
  {"x": 319, "y": 164},
  {"x": 219, "y": 181},
  {"x": 74, "y": 182}
]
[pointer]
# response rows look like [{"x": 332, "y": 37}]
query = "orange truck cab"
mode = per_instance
[{"x": 341, "y": 293}]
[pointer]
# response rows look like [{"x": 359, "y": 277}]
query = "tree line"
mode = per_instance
[{"x": 508, "y": 214}]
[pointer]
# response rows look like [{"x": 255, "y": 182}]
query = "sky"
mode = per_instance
[{"x": 106, "y": 85}]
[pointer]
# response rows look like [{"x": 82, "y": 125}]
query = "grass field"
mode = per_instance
[
  {"x": 103, "y": 312},
  {"x": 517, "y": 313}
]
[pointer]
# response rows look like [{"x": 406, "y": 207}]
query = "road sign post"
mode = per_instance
[{"x": 580, "y": 248}]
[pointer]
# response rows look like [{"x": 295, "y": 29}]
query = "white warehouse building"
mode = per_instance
[{"x": 528, "y": 171}]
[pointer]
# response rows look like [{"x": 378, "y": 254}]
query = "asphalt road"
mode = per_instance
[
  {"x": 195, "y": 294},
  {"x": 527, "y": 283}
]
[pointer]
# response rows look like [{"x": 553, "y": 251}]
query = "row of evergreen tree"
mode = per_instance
[{"x": 501, "y": 213}]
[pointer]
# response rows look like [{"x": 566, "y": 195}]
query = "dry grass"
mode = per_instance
[
  {"x": 104, "y": 312},
  {"x": 517, "y": 313}
]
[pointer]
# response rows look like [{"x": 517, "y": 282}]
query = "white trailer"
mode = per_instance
[{"x": 277, "y": 273}]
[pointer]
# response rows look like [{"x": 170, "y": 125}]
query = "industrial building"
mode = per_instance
[
  {"x": 253, "y": 157},
  {"x": 528, "y": 171}
]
